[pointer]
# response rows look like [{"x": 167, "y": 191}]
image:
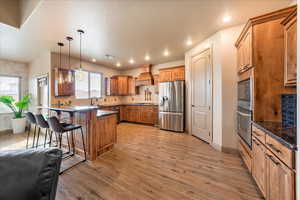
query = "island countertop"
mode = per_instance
[
  {"x": 70, "y": 108},
  {"x": 102, "y": 113}
]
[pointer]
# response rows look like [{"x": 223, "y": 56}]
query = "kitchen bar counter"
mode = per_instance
[
  {"x": 99, "y": 127},
  {"x": 285, "y": 135}
]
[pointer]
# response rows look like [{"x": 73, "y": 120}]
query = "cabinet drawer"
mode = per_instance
[
  {"x": 283, "y": 153},
  {"x": 245, "y": 156},
  {"x": 259, "y": 134}
]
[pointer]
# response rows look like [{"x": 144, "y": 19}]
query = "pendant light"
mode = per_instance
[
  {"x": 80, "y": 73},
  {"x": 60, "y": 78},
  {"x": 70, "y": 74}
]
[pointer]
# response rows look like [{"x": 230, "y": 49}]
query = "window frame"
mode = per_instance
[
  {"x": 89, "y": 84},
  {"x": 19, "y": 88}
]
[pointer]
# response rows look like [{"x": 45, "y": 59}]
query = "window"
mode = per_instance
[
  {"x": 88, "y": 85},
  {"x": 9, "y": 86},
  {"x": 95, "y": 85}
]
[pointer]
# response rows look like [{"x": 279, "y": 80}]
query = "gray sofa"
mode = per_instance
[{"x": 29, "y": 174}]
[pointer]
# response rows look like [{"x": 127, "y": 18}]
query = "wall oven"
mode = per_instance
[{"x": 244, "y": 110}]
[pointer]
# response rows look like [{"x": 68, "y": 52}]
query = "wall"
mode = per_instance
[
  {"x": 154, "y": 91},
  {"x": 40, "y": 66},
  {"x": 88, "y": 66},
  {"x": 224, "y": 85},
  {"x": 13, "y": 69}
]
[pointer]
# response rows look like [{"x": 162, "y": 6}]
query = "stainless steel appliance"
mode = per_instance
[
  {"x": 244, "y": 110},
  {"x": 171, "y": 106}
]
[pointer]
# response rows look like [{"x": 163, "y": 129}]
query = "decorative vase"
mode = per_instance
[{"x": 18, "y": 125}]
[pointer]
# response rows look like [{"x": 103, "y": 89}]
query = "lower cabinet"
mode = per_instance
[
  {"x": 273, "y": 176},
  {"x": 280, "y": 179},
  {"x": 139, "y": 114},
  {"x": 259, "y": 165}
]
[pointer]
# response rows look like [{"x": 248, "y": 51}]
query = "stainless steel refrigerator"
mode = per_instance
[{"x": 171, "y": 106}]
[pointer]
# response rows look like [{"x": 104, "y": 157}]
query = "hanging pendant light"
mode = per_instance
[
  {"x": 70, "y": 74},
  {"x": 60, "y": 78},
  {"x": 79, "y": 72}
]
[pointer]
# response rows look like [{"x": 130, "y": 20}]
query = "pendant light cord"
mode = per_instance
[
  {"x": 80, "y": 32},
  {"x": 80, "y": 52}
]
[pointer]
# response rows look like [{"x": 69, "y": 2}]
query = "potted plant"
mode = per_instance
[{"x": 18, "y": 121}]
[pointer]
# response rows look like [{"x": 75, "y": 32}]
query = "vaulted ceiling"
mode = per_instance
[{"x": 124, "y": 28}]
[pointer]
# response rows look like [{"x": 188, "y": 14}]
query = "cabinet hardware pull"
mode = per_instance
[
  {"x": 274, "y": 161},
  {"x": 275, "y": 149}
]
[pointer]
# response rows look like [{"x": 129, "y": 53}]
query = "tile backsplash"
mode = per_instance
[
  {"x": 289, "y": 110},
  {"x": 141, "y": 97}
]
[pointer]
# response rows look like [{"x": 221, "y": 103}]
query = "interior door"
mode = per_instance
[{"x": 202, "y": 96}]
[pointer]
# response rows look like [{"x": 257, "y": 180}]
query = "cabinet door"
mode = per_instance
[
  {"x": 280, "y": 180},
  {"x": 122, "y": 85},
  {"x": 132, "y": 89},
  {"x": 165, "y": 75},
  {"x": 178, "y": 74},
  {"x": 146, "y": 115},
  {"x": 291, "y": 53},
  {"x": 259, "y": 165},
  {"x": 240, "y": 58},
  {"x": 63, "y": 86},
  {"x": 247, "y": 50},
  {"x": 113, "y": 86}
]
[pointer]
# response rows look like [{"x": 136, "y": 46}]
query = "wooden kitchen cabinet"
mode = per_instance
[
  {"x": 244, "y": 52},
  {"x": 290, "y": 48},
  {"x": 280, "y": 179},
  {"x": 139, "y": 114},
  {"x": 245, "y": 153},
  {"x": 172, "y": 74},
  {"x": 122, "y": 85},
  {"x": 62, "y": 84},
  {"x": 259, "y": 165}
]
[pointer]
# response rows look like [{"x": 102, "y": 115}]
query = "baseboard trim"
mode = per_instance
[{"x": 225, "y": 149}]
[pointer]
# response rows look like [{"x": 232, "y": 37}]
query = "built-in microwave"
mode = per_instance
[{"x": 244, "y": 110}]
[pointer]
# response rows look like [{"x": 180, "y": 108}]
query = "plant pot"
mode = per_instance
[{"x": 18, "y": 125}]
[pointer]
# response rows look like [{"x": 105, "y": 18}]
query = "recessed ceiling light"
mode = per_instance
[
  {"x": 166, "y": 52},
  {"x": 189, "y": 42},
  {"x": 147, "y": 57},
  {"x": 94, "y": 60},
  {"x": 118, "y": 64},
  {"x": 131, "y": 61},
  {"x": 226, "y": 19}
]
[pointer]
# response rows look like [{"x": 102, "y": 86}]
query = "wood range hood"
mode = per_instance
[{"x": 145, "y": 78}]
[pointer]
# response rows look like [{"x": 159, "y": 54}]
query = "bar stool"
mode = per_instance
[
  {"x": 42, "y": 123},
  {"x": 60, "y": 129},
  {"x": 31, "y": 119}
]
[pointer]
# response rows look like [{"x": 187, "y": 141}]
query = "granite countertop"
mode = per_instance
[
  {"x": 102, "y": 113},
  {"x": 285, "y": 135},
  {"x": 130, "y": 104},
  {"x": 71, "y": 108}
]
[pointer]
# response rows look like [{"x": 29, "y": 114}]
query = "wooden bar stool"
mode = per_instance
[{"x": 60, "y": 129}]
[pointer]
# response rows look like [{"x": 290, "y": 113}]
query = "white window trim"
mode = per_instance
[{"x": 19, "y": 92}]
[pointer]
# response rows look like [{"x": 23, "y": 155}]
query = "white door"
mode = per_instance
[{"x": 201, "y": 69}]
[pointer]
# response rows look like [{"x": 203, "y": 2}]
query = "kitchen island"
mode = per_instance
[{"x": 99, "y": 127}]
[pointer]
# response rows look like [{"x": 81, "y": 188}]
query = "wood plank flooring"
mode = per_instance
[{"x": 149, "y": 164}]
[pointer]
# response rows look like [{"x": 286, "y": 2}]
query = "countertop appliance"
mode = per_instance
[
  {"x": 244, "y": 110},
  {"x": 171, "y": 106}
]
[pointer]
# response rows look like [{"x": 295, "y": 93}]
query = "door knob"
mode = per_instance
[{"x": 193, "y": 105}]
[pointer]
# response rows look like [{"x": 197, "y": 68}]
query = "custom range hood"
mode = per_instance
[{"x": 145, "y": 78}]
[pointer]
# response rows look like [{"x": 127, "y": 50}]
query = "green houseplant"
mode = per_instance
[{"x": 18, "y": 121}]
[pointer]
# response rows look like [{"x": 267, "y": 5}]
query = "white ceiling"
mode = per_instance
[{"x": 126, "y": 28}]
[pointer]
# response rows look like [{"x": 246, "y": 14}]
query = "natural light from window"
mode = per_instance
[
  {"x": 9, "y": 86},
  {"x": 87, "y": 84}
]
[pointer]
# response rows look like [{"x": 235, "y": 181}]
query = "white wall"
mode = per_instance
[
  {"x": 37, "y": 67},
  {"x": 224, "y": 85},
  {"x": 14, "y": 69}
]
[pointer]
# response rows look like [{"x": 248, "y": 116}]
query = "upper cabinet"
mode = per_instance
[
  {"x": 244, "y": 52},
  {"x": 290, "y": 47},
  {"x": 63, "y": 82},
  {"x": 172, "y": 74},
  {"x": 122, "y": 85},
  {"x": 260, "y": 55}
]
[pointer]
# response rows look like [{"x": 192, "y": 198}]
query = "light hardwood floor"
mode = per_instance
[{"x": 148, "y": 163}]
